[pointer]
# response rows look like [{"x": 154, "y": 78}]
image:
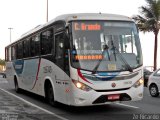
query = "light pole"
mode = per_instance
[
  {"x": 10, "y": 33},
  {"x": 47, "y": 11}
]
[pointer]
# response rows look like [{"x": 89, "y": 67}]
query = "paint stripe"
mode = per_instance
[
  {"x": 80, "y": 75},
  {"x": 127, "y": 105},
  {"x": 37, "y": 73},
  {"x": 38, "y": 68},
  {"x": 49, "y": 112}
]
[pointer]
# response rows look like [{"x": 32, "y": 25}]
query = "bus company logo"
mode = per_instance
[{"x": 113, "y": 85}]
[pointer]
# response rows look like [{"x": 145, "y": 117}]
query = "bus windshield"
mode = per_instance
[{"x": 105, "y": 46}]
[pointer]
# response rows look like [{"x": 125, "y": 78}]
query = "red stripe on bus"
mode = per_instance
[
  {"x": 83, "y": 78},
  {"x": 37, "y": 72}
]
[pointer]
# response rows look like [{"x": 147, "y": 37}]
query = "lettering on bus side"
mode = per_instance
[{"x": 47, "y": 69}]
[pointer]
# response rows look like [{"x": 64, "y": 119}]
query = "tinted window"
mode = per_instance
[
  {"x": 37, "y": 45},
  {"x": 9, "y": 53},
  {"x": 59, "y": 39},
  {"x": 6, "y": 54},
  {"x": 19, "y": 50},
  {"x": 13, "y": 52},
  {"x": 47, "y": 42},
  {"x": 32, "y": 47},
  {"x": 26, "y": 48}
]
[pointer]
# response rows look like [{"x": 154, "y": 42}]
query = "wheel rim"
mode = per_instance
[{"x": 153, "y": 90}]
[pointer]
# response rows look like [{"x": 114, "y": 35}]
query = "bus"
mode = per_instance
[{"x": 79, "y": 60}]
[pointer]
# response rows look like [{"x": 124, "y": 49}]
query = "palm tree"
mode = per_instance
[{"x": 149, "y": 21}]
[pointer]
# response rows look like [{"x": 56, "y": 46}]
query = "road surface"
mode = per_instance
[{"x": 28, "y": 106}]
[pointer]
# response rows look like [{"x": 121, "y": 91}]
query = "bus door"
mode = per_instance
[{"x": 61, "y": 78}]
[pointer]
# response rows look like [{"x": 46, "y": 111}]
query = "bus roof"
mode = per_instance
[
  {"x": 91, "y": 16},
  {"x": 78, "y": 16}
]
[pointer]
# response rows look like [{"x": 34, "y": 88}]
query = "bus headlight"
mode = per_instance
[
  {"x": 81, "y": 86},
  {"x": 138, "y": 83}
]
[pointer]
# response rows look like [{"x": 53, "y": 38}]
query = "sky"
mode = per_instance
[{"x": 23, "y": 15}]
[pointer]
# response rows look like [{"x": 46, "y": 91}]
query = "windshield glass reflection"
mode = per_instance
[{"x": 105, "y": 44}]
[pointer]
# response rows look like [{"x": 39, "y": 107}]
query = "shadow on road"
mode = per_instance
[{"x": 109, "y": 108}]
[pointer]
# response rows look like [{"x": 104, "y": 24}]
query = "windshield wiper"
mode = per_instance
[
  {"x": 103, "y": 53},
  {"x": 121, "y": 57},
  {"x": 96, "y": 67}
]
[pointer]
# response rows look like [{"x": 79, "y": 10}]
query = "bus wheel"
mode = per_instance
[
  {"x": 50, "y": 95},
  {"x": 153, "y": 89},
  {"x": 17, "y": 89}
]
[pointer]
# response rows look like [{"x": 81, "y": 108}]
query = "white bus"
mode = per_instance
[{"x": 79, "y": 60}]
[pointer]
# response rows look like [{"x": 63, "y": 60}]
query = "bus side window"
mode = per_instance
[
  {"x": 19, "y": 51},
  {"x": 6, "y": 54},
  {"x": 32, "y": 47},
  {"x": 13, "y": 52},
  {"x": 26, "y": 48},
  {"x": 62, "y": 46},
  {"x": 59, "y": 40},
  {"x": 47, "y": 41},
  {"x": 37, "y": 45},
  {"x": 10, "y": 53}
]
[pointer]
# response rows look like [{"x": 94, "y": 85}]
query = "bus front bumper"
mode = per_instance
[{"x": 83, "y": 98}]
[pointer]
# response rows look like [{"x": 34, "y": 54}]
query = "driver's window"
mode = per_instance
[{"x": 59, "y": 39}]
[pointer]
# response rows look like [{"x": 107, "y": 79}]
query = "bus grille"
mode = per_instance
[{"x": 112, "y": 90}]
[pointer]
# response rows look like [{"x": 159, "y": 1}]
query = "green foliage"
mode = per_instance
[
  {"x": 149, "y": 20},
  {"x": 2, "y": 62}
]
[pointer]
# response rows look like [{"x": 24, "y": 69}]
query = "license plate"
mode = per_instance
[{"x": 113, "y": 97}]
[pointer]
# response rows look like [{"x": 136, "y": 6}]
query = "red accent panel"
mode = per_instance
[
  {"x": 80, "y": 75},
  {"x": 37, "y": 73},
  {"x": 38, "y": 68}
]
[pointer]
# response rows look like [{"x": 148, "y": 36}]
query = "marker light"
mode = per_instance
[
  {"x": 138, "y": 83},
  {"x": 81, "y": 86}
]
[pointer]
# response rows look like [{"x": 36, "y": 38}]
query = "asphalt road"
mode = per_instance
[{"x": 28, "y": 106}]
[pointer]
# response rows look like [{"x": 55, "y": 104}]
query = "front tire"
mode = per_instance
[
  {"x": 154, "y": 92},
  {"x": 50, "y": 95},
  {"x": 17, "y": 89}
]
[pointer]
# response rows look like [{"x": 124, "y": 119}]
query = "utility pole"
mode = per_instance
[
  {"x": 10, "y": 33},
  {"x": 47, "y": 12}
]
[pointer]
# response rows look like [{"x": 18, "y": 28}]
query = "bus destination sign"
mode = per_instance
[{"x": 87, "y": 27}]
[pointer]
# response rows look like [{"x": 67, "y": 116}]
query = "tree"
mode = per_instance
[
  {"x": 2, "y": 62},
  {"x": 149, "y": 21}
]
